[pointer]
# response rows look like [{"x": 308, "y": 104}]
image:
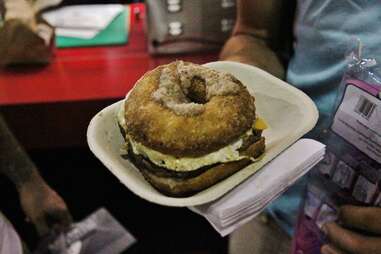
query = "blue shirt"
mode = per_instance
[{"x": 325, "y": 31}]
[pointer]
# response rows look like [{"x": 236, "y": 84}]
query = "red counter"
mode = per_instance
[{"x": 51, "y": 106}]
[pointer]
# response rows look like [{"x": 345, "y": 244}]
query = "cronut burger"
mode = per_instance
[{"x": 188, "y": 127}]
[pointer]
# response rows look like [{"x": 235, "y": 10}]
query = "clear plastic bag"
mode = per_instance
[
  {"x": 99, "y": 233},
  {"x": 351, "y": 170}
]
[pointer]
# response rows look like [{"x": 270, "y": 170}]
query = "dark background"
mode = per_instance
[{"x": 85, "y": 184}]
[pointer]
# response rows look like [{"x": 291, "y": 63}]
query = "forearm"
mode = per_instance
[
  {"x": 254, "y": 51},
  {"x": 14, "y": 162}
]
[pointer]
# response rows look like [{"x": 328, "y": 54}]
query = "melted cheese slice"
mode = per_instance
[{"x": 225, "y": 154}]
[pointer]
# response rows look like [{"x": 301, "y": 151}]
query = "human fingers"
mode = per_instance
[
  {"x": 330, "y": 249},
  {"x": 366, "y": 219},
  {"x": 351, "y": 242}
]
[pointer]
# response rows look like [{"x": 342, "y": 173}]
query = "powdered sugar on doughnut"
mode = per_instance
[{"x": 174, "y": 85}]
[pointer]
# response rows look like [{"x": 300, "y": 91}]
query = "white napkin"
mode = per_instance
[
  {"x": 251, "y": 197},
  {"x": 39, "y": 5},
  {"x": 82, "y": 21}
]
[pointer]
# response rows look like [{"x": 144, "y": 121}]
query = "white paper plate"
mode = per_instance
[{"x": 289, "y": 113}]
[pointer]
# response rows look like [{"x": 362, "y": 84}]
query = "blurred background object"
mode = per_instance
[
  {"x": 73, "y": 2},
  {"x": 90, "y": 24},
  {"x": 181, "y": 26},
  {"x": 25, "y": 38}
]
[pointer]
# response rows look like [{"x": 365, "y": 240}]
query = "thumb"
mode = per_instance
[
  {"x": 58, "y": 219},
  {"x": 41, "y": 226},
  {"x": 53, "y": 220}
]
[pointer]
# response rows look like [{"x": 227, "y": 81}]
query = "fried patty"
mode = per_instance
[
  {"x": 224, "y": 120},
  {"x": 163, "y": 171},
  {"x": 182, "y": 184}
]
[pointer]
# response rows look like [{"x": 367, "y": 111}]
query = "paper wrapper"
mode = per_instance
[
  {"x": 250, "y": 198},
  {"x": 99, "y": 233}
]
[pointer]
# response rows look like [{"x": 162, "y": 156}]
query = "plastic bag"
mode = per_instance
[
  {"x": 99, "y": 233},
  {"x": 351, "y": 170}
]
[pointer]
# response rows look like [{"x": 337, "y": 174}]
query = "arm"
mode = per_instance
[
  {"x": 14, "y": 162},
  {"x": 256, "y": 27},
  {"x": 43, "y": 206}
]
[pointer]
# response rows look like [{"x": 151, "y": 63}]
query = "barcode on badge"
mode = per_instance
[{"x": 365, "y": 107}]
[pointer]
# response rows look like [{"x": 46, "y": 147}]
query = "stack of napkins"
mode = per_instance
[
  {"x": 83, "y": 25},
  {"x": 251, "y": 197}
]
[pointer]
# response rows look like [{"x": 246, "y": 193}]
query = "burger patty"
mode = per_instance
[
  {"x": 142, "y": 162},
  {"x": 251, "y": 139},
  {"x": 183, "y": 187}
]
